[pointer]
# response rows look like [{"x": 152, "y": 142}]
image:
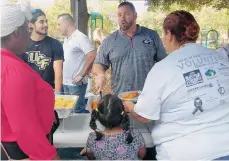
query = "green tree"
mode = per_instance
[
  {"x": 12, "y": 1},
  {"x": 211, "y": 18},
  {"x": 59, "y": 7},
  {"x": 152, "y": 20},
  {"x": 191, "y": 4},
  {"x": 108, "y": 10},
  {"x": 207, "y": 17}
]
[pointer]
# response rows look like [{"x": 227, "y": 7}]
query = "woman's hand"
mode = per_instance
[{"x": 129, "y": 106}]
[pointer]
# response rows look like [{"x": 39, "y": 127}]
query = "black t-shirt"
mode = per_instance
[{"x": 40, "y": 56}]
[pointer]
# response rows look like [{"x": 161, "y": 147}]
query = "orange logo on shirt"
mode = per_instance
[{"x": 39, "y": 59}]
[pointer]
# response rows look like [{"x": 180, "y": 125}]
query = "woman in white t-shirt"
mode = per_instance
[{"x": 187, "y": 95}]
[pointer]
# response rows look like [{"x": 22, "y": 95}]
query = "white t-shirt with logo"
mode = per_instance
[
  {"x": 187, "y": 93},
  {"x": 76, "y": 47}
]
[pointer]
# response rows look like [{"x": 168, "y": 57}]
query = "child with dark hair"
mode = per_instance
[{"x": 117, "y": 141}]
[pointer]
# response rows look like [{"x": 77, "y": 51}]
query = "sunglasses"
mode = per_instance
[{"x": 35, "y": 11}]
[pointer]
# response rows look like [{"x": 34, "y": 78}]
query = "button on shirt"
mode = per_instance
[
  {"x": 76, "y": 47},
  {"x": 190, "y": 101},
  {"x": 130, "y": 58}
]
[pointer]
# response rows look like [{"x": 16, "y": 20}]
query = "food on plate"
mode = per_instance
[
  {"x": 94, "y": 104},
  {"x": 130, "y": 95},
  {"x": 62, "y": 102}
]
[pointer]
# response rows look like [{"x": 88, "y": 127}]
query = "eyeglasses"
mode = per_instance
[{"x": 35, "y": 11}]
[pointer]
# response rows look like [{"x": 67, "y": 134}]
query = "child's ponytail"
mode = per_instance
[
  {"x": 126, "y": 127},
  {"x": 93, "y": 125}
]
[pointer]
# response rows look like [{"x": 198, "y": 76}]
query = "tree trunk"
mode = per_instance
[{"x": 80, "y": 14}]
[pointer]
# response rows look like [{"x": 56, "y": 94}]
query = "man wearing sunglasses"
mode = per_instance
[{"x": 44, "y": 54}]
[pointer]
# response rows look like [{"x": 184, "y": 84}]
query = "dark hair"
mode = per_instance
[
  {"x": 67, "y": 17},
  {"x": 110, "y": 114},
  {"x": 183, "y": 25},
  {"x": 129, "y": 4},
  {"x": 35, "y": 14}
]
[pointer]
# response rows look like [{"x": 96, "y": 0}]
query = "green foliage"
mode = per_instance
[
  {"x": 207, "y": 17},
  {"x": 120, "y": 1},
  {"x": 12, "y": 1},
  {"x": 205, "y": 13},
  {"x": 59, "y": 7},
  {"x": 108, "y": 10},
  {"x": 190, "y": 4},
  {"x": 210, "y": 18},
  {"x": 152, "y": 20}
]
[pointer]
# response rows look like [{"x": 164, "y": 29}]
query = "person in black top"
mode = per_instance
[{"x": 44, "y": 54}]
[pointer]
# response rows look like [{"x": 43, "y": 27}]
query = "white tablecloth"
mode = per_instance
[{"x": 76, "y": 130}]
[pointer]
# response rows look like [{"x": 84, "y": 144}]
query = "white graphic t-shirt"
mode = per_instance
[{"x": 187, "y": 93}]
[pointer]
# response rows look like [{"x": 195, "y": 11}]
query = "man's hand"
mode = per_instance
[
  {"x": 77, "y": 79},
  {"x": 100, "y": 81}
]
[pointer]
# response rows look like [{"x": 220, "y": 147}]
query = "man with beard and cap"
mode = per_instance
[
  {"x": 44, "y": 54},
  {"x": 27, "y": 101},
  {"x": 131, "y": 52}
]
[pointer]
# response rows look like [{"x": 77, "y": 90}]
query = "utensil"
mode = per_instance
[{"x": 100, "y": 94}]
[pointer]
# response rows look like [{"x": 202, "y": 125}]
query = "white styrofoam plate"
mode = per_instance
[{"x": 132, "y": 99}]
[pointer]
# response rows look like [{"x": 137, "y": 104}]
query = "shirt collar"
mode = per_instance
[
  {"x": 187, "y": 44},
  {"x": 73, "y": 35},
  {"x": 139, "y": 29}
]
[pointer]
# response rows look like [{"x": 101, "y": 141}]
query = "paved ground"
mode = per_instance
[{"x": 74, "y": 154}]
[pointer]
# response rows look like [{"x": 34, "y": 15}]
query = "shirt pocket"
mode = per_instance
[
  {"x": 118, "y": 52},
  {"x": 146, "y": 51}
]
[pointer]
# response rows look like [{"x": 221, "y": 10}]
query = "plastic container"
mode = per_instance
[
  {"x": 64, "y": 112},
  {"x": 90, "y": 100}
]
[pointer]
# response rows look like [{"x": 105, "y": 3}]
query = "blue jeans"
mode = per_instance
[
  {"x": 79, "y": 90},
  {"x": 223, "y": 158}
]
